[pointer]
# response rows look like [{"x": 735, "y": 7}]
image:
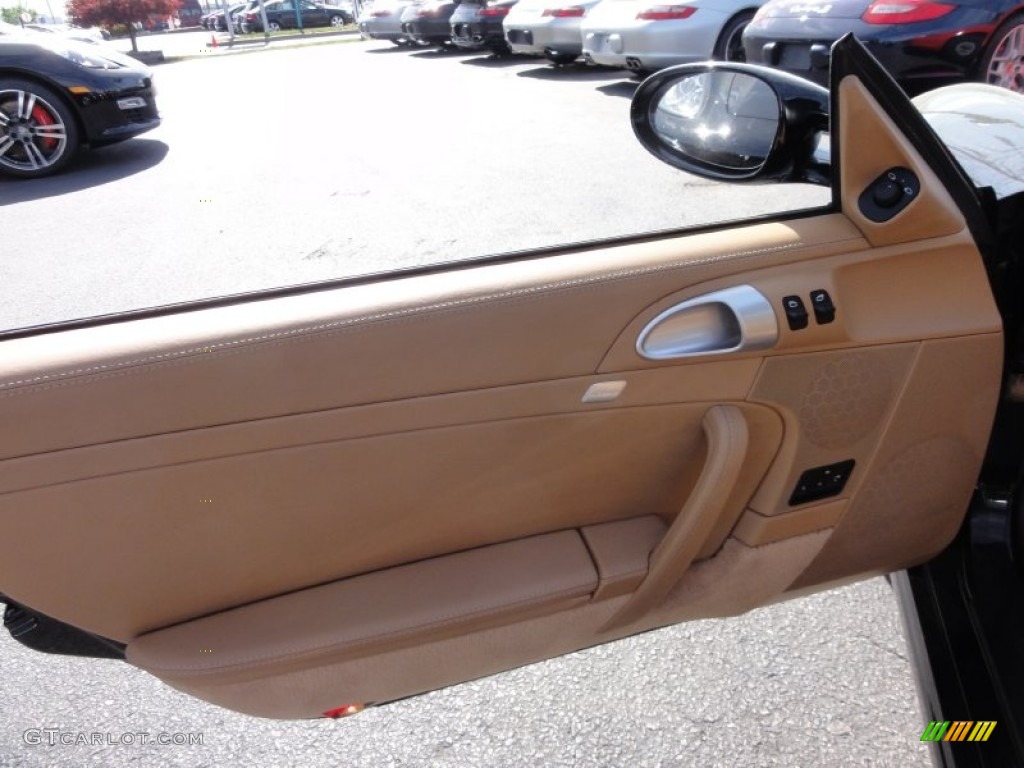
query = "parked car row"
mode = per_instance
[
  {"x": 281, "y": 14},
  {"x": 215, "y": 20},
  {"x": 923, "y": 43},
  {"x": 642, "y": 35}
]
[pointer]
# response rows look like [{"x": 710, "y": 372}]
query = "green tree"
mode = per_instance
[{"x": 13, "y": 15}]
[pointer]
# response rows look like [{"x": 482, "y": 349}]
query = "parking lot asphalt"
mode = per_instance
[
  {"x": 304, "y": 164},
  {"x": 310, "y": 163},
  {"x": 820, "y": 681}
]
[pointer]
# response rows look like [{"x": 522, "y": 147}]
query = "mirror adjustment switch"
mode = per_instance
[
  {"x": 824, "y": 309},
  {"x": 821, "y": 482},
  {"x": 796, "y": 312},
  {"x": 889, "y": 194}
]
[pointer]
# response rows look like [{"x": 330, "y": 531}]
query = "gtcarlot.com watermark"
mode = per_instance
[{"x": 54, "y": 737}]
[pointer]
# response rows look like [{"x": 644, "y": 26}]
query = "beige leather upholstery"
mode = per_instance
[
  {"x": 712, "y": 499},
  {"x": 737, "y": 579},
  {"x": 526, "y": 321},
  {"x": 310, "y": 514},
  {"x": 864, "y": 125},
  {"x": 377, "y": 612},
  {"x": 620, "y": 551},
  {"x": 180, "y": 482}
]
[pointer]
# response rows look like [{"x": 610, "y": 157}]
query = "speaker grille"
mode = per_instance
[{"x": 846, "y": 400}]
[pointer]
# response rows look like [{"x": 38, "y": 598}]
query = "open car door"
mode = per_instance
[{"x": 292, "y": 503}]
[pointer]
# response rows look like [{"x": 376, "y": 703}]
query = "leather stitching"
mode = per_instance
[{"x": 394, "y": 316}]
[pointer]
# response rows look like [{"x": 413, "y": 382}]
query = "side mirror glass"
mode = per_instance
[
  {"x": 728, "y": 120},
  {"x": 734, "y": 122}
]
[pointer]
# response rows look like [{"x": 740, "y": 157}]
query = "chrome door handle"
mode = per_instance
[{"x": 731, "y": 320}]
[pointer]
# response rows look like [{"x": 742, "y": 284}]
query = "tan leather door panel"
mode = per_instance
[
  {"x": 203, "y": 536},
  {"x": 442, "y": 476}
]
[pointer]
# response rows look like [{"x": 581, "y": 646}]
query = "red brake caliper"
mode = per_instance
[{"x": 42, "y": 117}]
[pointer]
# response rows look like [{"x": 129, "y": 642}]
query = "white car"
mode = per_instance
[
  {"x": 647, "y": 35},
  {"x": 548, "y": 28}
]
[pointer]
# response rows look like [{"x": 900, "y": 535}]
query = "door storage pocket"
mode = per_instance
[{"x": 375, "y": 613}]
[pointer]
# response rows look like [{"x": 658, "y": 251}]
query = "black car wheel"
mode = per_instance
[
  {"x": 1003, "y": 64},
  {"x": 337, "y": 21},
  {"x": 38, "y": 133},
  {"x": 273, "y": 26},
  {"x": 729, "y": 46}
]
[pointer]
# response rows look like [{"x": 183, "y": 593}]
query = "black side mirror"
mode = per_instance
[{"x": 735, "y": 122}]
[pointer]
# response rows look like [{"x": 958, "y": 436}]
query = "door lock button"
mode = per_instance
[
  {"x": 796, "y": 312},
  {"x": 824, "y": 309}
]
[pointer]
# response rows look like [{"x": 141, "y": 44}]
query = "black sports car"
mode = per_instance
[
  {"x": 56, "y": 95},
  {"x": 922, "y": 43}
]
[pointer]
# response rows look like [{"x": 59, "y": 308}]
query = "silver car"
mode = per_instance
[
  {"x": 647, "y": 35},
  {"x": 382, "y": 20},
  {"x": 548, "y": 28}
]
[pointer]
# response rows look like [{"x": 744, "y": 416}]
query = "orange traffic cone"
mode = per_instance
[{"x": 213, "y": 40}]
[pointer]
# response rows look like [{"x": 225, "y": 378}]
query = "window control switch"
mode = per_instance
[
  {"x": 796, "y": 312},
  {"x": 824, "y": 309}
]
